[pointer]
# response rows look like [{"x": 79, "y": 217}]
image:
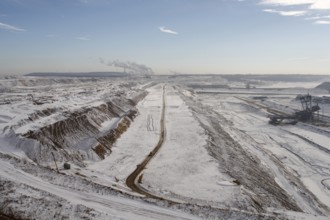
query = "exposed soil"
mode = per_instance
[
  {"x": 65, "y": 136},
  {"x": 106, "y": 142}
]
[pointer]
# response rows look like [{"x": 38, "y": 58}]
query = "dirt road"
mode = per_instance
[{"x": 132, "y": 179}]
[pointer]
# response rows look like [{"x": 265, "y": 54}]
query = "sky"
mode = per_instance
[{"x": 165, "y": 36}]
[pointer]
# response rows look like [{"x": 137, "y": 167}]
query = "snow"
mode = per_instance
[
  {"x": 65, "y": 97},
  {"x": 131, "y": 148},
  {"x": 186, "y": 169},
  {"x": 113, "y": 206},
  {"x": 317, "y": 138},
  {"x": 299, "y": 148},
  {"x": 307, "y": 85},
  {"x": 183, "y": 166},
  {"x": 315, "y": 188},
  {"x": 107, "y": 125}
]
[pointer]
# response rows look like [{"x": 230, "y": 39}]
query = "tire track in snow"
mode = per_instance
[
  {"x": 267, "y": 108},
  {"x": 312, "y": 143}
]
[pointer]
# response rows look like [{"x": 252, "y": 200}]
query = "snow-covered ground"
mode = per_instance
[
  {"x": 306, "y": 85},
  {"x": 183, "y": 168},
  {"x": 36, "y": 198},
  {"x": 298, "y": 156},
  {"x": 220, "y": 158},
  {"x": 132, "y": 147},
  {"x": 71, "y": 114}
]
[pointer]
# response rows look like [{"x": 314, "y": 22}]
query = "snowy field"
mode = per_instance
[
  {"x": 217, "y": 157},
  {"x": 302, "y": 150},
  {"x": 184, "y": 169}
]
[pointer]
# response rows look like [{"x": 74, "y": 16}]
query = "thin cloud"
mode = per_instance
[
  {"x": 10, "y": 27},
  {"x": 317, "y": 17},
  {"x": 313, "y": 18},
  {"x": 166, "y": 30},
  {"x": 309, "y": 9},
  {"x": 313, "y": 4},
  {"x": 83, "y": 38},
  {"x": 288, "y": 2},
  {"x": 321, "y": 5},
  {"x": 322, "y": 22},
  {"x": 286, "y": 13}
]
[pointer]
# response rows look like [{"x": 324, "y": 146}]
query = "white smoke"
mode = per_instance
[{"x": 129, "y": 67}]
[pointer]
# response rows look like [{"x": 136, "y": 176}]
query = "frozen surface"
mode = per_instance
[
  {"x": 183, "y": 167},
  {"x": 307, "y": 85},
  {"x": 103, "y": 206},
  {"x": 302, "y": 150},
  {"x": 131, "y": 148},
  {"x": 36, "y": 94},
  {"x": 220, "y": 159}
]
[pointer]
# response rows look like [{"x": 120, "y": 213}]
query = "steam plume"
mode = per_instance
[{"x": 129, "y": 67}]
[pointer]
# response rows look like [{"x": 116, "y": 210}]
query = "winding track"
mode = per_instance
[{"x": 132, "y": 179}]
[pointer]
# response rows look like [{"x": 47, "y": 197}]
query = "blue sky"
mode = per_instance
[{"x": 182, "y": 36}]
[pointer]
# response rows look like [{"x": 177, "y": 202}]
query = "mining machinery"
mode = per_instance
[{"x": 306, "y": 114}]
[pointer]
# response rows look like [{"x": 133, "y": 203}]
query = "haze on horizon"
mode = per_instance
[{"x": 184, "y": 36}]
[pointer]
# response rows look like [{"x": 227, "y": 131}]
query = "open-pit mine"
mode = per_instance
[{"x": 165, "y": 147}]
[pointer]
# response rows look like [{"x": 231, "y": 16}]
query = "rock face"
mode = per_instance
[
  {"x": 74, "y": 119},
  {"x": 81, "y": 136}
]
